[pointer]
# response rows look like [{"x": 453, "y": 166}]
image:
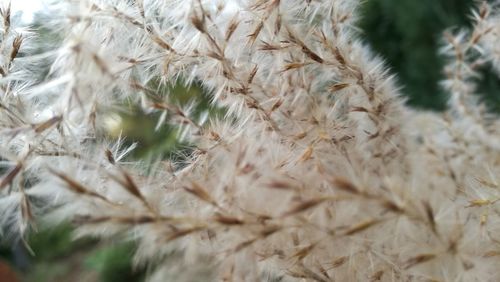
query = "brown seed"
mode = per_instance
[
  {"x": 313, "y": 56},
  {"x": 232, "y": 27},
  {"x": 345, "y": 185},
  {"x": 182, "y": 233},
  {"x": 339, "y": 57},
  {"x": 215, "y": 55},
  {"x": 77, "y": 187},
  {"x": 100, "y": 63},
  {"x": 140, "y": 219},
  {"x": 199, "y": 23},
  {"x": 268, "y": 47},
  {"x": 244, "y": 244},
  {"x": 418, "y": 260},
  {"x": 16, "y": 46},
  {"x": 269, "y": 230},
  {"x": 430, "y": 216},
  {"x": 361, "y": 226},
  {"x": 359, "y": 109},
  {"x": 304, "y": 206},
  {"x": 277, "y": 24},
  {"x": 281, "y": 185},
  {"x": 252, "y": 74},
  {"x": 6, "y": 17},
  {"x": 292, "y": 66},
  {"x": 131, "y": 187},
  {"x": 214, "y": 136},
  {"x": 198, "y": 191},
  {"x": 109, "y": 156},
  {"x": 307, "y": 154},
  {"x": 392, "y": 206},
  {"x": 338, "y": 86},
  {"x": 484, "y": 10},
  {"x": 228, "y": 220},
  {"x": 47, "y": 124},
  {"x": 323, "y": 270},
  {"x": 303, "y": 252},
  {"x": 339, "y": 261},
  {"x": 10, "y": 175},
  {"x": 300, "y": 135},
  {"x": 276, "y": 105},
  {"x": 253, "y": 36}
]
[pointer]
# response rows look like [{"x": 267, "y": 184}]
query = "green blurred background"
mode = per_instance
[{"x": 407, "y": 33}]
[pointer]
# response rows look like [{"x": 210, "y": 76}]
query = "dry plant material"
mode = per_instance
[
  {"x": 228, "y": 220},
  {"x": 314, "y": 137},
  {"x": 10, "y": 175},
  {"x": 362, "y": 226},
  {"x": 78, "y": 188},
  {"x": 38, "y": 128},
  {"x": 411, "y": 262},
  {"x": 200, "y": 192},
  {"x": 303, "y": 206}
]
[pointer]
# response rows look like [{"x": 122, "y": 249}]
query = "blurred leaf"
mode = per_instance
[
  {"x": 408, "y": 35},
  {"x": 55, "y": 242},
  {"x": 113, "y": 263}
]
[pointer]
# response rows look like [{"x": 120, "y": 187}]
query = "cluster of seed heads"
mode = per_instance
[{"x": 318, "y": 171}]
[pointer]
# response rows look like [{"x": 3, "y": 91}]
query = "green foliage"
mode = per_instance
[
  {"x": 139, "y": 127},
  {"x": 59, "y": 257},
  {"x": 408, "y": 35},
  {"x": 113, "y": 263},
  {"x": 55, "y": 242}
]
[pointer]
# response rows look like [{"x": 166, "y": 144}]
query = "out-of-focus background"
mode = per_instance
[{"x": 406, "y": 33}]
